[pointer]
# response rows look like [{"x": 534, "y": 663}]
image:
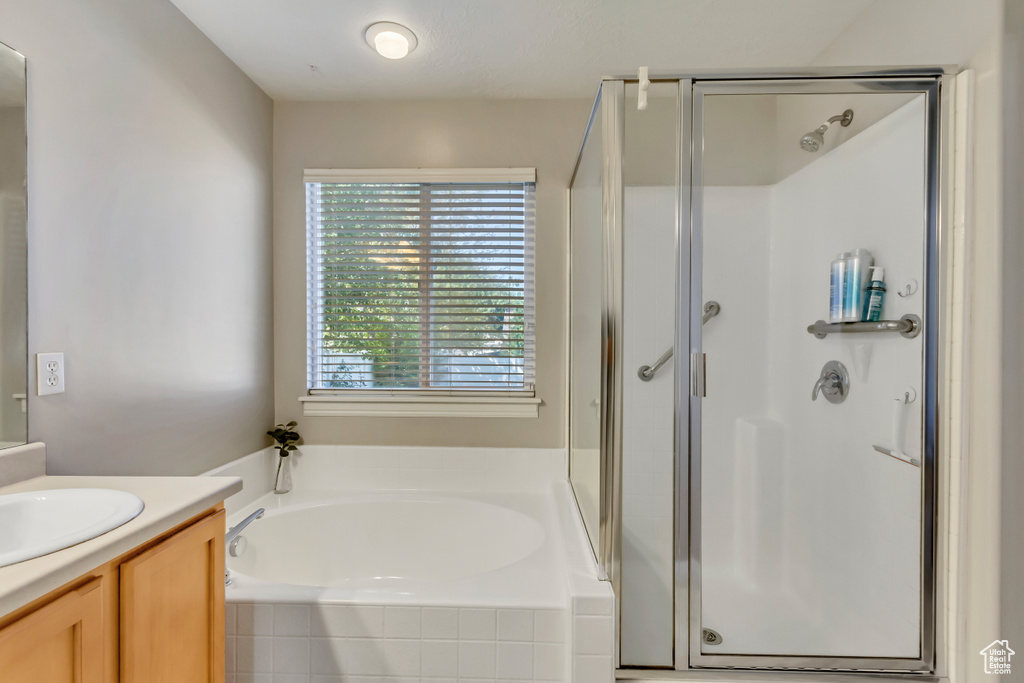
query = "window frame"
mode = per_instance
[{"x": 417, "y": 402}]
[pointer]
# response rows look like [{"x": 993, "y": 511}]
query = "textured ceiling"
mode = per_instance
[{"x": 314, "y": 49}]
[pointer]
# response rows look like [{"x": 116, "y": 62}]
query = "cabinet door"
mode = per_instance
[
  {"x": 61, "y": 642},
  {"x": 172, "y": 608}
]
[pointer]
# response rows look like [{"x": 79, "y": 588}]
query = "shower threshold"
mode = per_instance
[{"x": 734, "y": 676}]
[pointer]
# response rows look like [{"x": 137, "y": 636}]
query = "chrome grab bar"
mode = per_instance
[
  {"x": 909, "y": 326},
  {"x": 237, "y": 529},
  {"x": 646, "y": 372},
  {"x": 711, "y": 309}
]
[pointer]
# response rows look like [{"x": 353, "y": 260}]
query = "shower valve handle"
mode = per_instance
[
  {"x": 826, "y": 382},
  {"x": 834, "y": 383}
]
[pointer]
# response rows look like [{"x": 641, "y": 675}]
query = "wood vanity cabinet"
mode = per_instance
[
  {"x": 172, "y": 608},
  {"x": 153, "y": 615},
  {"x": 60, "y": 641}
]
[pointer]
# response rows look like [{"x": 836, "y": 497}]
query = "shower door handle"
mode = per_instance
[{"x": 698, "y": 362}]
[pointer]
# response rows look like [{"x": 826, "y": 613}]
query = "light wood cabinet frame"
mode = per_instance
[
  {"x": 172, "y": 608},
  {"x": 60, "y": 642}
]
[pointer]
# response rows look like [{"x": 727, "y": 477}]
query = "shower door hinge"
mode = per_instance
[{"x": 697, "y": 369}]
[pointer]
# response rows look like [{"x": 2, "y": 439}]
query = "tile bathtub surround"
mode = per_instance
[
  {"x": 257, "y": 471},
  {"x": 435, "y": 469},
  {"x": 591, "y": 622},
  {"x": 428, "y": 644},
  {"x": 365, "y": 468},
  {"x": 280, "y": 643}
]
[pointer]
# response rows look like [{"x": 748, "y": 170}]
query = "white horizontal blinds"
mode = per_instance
[{"x": 421, "y": 285}]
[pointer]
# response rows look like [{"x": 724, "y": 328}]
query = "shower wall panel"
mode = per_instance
[
  {"x": 853, "y": 515},
  {"x": 811, "y": 538},
  {"x": 742, "y": 549}
]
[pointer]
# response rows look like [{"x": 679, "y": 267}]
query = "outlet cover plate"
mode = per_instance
[{"x": 49, "y": 373}]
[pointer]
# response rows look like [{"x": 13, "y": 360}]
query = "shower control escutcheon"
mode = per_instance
[{"x": 834, "y": 383}]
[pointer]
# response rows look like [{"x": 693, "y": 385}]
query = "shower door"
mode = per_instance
[{"x": 812, "y": 445}]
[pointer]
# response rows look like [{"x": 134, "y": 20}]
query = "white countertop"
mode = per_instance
[{"x": 169, "y": 501}]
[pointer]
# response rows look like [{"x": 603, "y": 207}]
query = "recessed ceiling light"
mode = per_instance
[{"x": 392, "y": 41}]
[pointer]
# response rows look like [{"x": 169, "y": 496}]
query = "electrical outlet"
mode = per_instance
[{"x": 49, "y": 373}]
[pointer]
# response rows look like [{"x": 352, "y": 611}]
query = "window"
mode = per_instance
[{"x": 420, "y": 287}]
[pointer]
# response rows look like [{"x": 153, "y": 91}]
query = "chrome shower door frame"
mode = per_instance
[
  {"x": 609, "y": 110},
  {"x": 609, "y": 554},
  {"x": 688, "y": 413}
]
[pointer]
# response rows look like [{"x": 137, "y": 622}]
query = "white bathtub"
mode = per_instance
[
  {"x": 414, "y": 564},
  {"x": 401, "y": 547}
]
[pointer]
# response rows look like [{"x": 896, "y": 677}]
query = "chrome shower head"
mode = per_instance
[{"x": 813, "y": 141}]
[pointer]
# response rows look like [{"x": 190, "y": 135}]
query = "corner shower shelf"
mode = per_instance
[
  {"x": 909, "y": 326},
  {"x": 902, "y": 457}
]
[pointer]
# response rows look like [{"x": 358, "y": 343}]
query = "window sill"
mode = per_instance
[{"x": 419, "y": 406}]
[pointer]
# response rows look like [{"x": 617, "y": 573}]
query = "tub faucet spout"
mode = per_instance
[{"x": 233, "y": 532}]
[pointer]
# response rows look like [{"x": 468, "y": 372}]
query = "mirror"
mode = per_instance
[{"x": 13, "y": 251}]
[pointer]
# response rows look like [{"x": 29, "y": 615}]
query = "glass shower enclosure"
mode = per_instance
[{"x": 752, "y": 447}]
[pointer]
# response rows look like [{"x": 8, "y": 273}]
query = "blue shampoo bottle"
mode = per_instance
[{"x": 857, "y": 265}]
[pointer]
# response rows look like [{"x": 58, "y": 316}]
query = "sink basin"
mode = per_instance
[{"x": 40, "y": 522}]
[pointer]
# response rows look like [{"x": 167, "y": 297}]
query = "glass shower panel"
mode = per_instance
[
  {"x": 585, "y": 331},
  {"x": 810, "y": 448},
  {"x": 650, "y": 176}
]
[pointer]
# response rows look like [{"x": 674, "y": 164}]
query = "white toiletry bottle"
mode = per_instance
[
  {"x": 837, "y": 288},
  {"x": 875, "y": 296},
  {"x": 857, "y": 265}
]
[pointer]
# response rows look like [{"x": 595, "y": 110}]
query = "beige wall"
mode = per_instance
[
  {"x": 915, "y": 32},
  {"x": 473, "y": 134},
  {"x": 149, "y": 238}
]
